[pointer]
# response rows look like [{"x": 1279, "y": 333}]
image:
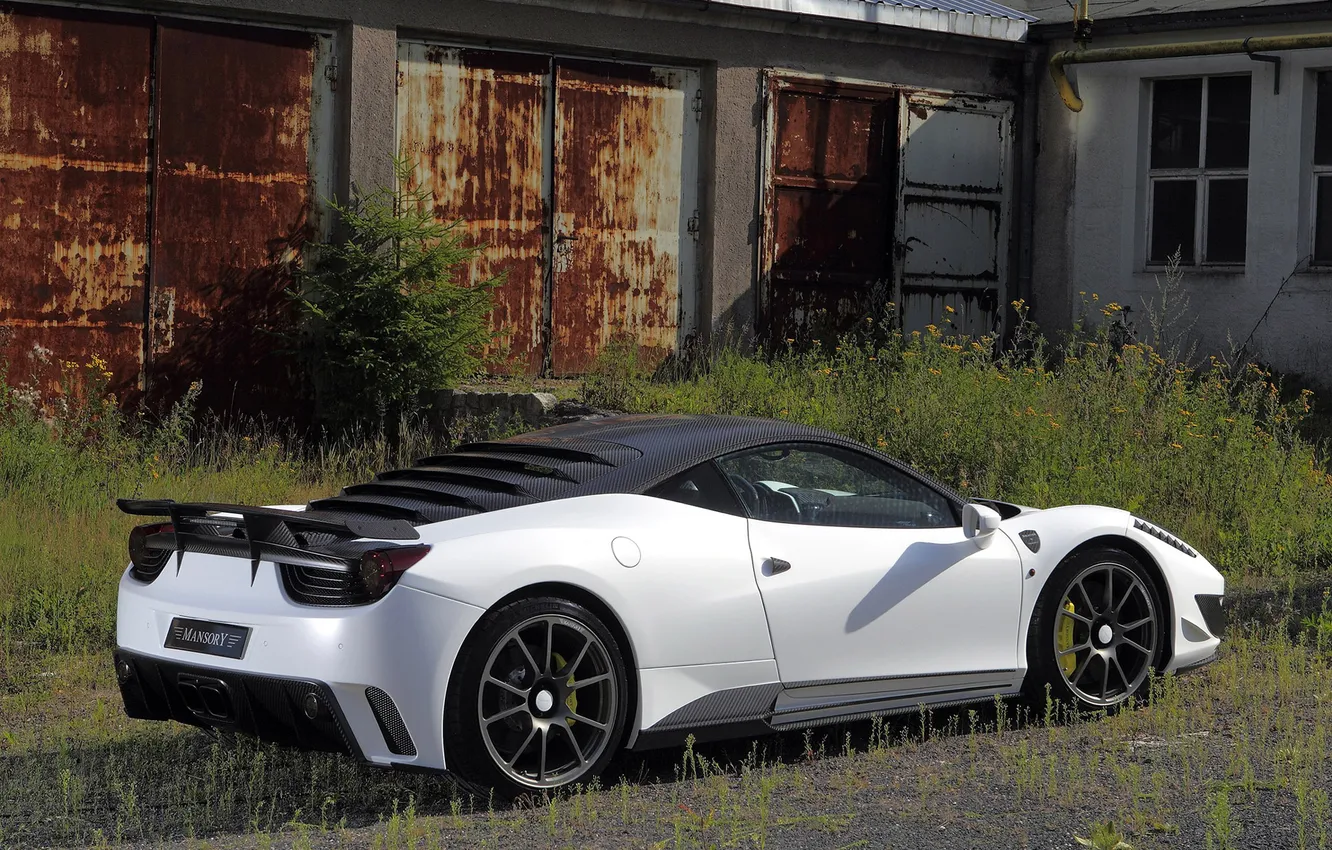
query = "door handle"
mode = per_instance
[{"x": 778, "y": 565}]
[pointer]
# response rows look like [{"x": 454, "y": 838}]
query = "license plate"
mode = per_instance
[{"x": 209, "y": 638}]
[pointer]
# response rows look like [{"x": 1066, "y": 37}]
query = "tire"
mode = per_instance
[
  {"x": 537, "y": 700},
  {"x": 1113, "y": 647}
]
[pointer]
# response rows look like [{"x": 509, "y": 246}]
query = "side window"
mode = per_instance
[
  {"x": 701, "y": 487},
  {"x": 1322, "y": 170},
  {"x": 1198, "y": 170},
  {"x": 825, "y": 485}
]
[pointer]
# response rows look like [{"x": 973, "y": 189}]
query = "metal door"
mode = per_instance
[
  {"x": 625, "y": 141},
  {"x": 234, "y": 203},
  {"x": 829, "y": 205},
  {"x": 74, "y": 101},
  {"x": 952, "y": 236},
  {"x": 473, "y": 123},
  {"x": 577, "y": 179}
]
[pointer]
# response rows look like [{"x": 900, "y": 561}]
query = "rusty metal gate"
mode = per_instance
[
  {"x": 874, "y": 194},
  {"x": 157, "y": 179},
  {"x": 579, "y": 178}
]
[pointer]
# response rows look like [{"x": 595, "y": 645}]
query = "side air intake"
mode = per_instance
[{"x": 390, "y": 722}]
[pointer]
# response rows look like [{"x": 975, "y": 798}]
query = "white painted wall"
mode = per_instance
[{"x": 1106, "y": 237}]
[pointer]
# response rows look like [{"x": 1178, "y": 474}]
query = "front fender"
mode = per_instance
[{"x": 1064, "y": 529}]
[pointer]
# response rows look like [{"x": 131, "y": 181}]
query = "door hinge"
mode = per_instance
[
  {"x": 331, "y": 73},
  {"x": 692, "y": 226},
  {"x": 698, "y": 104}
]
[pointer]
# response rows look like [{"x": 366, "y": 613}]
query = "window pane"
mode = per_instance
[
  {"x": 701, "y": 487},
  {"x": 1322, "y": 248},
  {"x": 821, "y": 485},
  {"x": 1174, "y": 204},
  {"x": 1176, "y": 123},
  {"x": 1228, "y": 122},
  {"x": 1227, "y": 204},
  {"x": 1323, "y": 120}
]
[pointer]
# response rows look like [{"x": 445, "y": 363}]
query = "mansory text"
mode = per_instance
[{"x": 519, "y": 611}]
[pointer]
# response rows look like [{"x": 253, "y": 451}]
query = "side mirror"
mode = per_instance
[{"x": 979, "y": 523}]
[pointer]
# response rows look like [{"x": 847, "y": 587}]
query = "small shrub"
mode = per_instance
[
  {"x": 1104, "y": 836},
  {"x": 384, "y": 315}
]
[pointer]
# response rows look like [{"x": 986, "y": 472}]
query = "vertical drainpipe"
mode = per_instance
[{"x": 1027, "y": 176}]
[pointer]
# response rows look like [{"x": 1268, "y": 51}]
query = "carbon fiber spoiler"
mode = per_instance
[{"x": 264, "y": 534}]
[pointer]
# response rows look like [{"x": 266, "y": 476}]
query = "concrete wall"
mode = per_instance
[
  {"x": 1092, "y": 222},
  {"x": 732, "y": 48}
]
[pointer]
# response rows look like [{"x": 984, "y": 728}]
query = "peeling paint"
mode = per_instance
[
  {"x": 229, "y": 205},
  {"x": 73, "y": 170},
  {"x": 473, "y": 123},
  {"x": 883, "y": 193}
]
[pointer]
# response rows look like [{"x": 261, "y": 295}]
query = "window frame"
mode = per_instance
[
  {"x": 1316, "y": 171},
  {"x": 1201, "y": 176},
  {"x": 871, "y": 460},
  {"x": 738, "y": 507}
]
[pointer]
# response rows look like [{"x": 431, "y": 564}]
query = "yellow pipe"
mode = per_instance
[{"x": 1169, "y": 51}]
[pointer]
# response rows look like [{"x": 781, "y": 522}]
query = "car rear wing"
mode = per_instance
[{"x": 320, "y": 539}]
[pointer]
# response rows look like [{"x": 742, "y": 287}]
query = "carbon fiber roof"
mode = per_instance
[{"x": 618, "y": 454}]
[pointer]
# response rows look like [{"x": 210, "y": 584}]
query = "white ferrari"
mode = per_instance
[{"x": 519, "y": 611}]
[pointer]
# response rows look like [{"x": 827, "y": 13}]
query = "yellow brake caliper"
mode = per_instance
[
  {"x": 572, "y": 701},
  {"x": 1064, "y": 641}
]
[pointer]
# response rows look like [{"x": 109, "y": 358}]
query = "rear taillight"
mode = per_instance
[
  {"x": 148, "y": 562},
  {"x": 381, "y": 568}
]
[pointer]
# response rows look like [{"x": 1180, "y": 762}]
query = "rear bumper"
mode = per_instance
[
  {"x": 295, "y": 712},
  {"x": 379, "y": 670}
]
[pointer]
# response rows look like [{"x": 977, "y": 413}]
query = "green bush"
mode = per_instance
[{"x": 383, "y": 315}]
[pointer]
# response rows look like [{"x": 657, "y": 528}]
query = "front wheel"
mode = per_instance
[
  {"x": 538, "y": 699},
  {"x": 1097, "y": 630}
]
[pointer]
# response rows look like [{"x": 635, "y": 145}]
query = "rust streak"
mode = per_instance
[
  {"x": 59, "y": 162},
  {"x": 191, "y": 169}
]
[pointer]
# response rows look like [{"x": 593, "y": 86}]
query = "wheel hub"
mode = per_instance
[
  {"x": 543, "y": 702},
  {"x": 1105, "y": 634}
]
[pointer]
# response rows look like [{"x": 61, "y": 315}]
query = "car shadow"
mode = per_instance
[
  {"x": 918, "y": 565},
  {"x": 149, "y": 784}
]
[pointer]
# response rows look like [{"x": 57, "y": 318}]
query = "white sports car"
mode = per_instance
[{"x": 519, "y": 611}]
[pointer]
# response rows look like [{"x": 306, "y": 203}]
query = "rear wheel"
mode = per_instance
[
  {"x": 1097, "y": 630},
  {"x": 538, "y": 699}
]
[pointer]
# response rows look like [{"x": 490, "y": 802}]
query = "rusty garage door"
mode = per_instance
[
  {"x": 876, "y": 194},
  {"x": 74, "y": 98},
  {"x": 473, "y": 122},
  {"x": 157, "y": 178},
  {"x": 830, "y": 205},
  {"x": 579, "y": 179},
  {"x": 234, "y": 200}
]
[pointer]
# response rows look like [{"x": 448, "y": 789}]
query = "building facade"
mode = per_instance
[
  {"x": 1225, "y": 159},
  {"x": 662, "y": 170}
]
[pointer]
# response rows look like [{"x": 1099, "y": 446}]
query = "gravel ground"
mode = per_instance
[
  {"x": 984, "y": 790},
  {"x": 1237, "y": 755}
]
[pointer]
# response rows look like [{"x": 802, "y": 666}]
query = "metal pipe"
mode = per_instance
[
  {"x": 1027, "y": 180},
  {"x": 1060, "y": 60}
]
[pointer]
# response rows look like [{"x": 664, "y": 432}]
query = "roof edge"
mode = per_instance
[
  {"x": 1011, "y": 26},
  {"x": 1045, "y": 31}
]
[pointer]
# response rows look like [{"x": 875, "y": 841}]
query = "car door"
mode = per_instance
[{"x": 866, "y": 574}]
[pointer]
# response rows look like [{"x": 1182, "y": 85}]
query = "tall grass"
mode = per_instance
[
  {"x": 62, "y": 539},
  {"x": 1213, "y": 453}
]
